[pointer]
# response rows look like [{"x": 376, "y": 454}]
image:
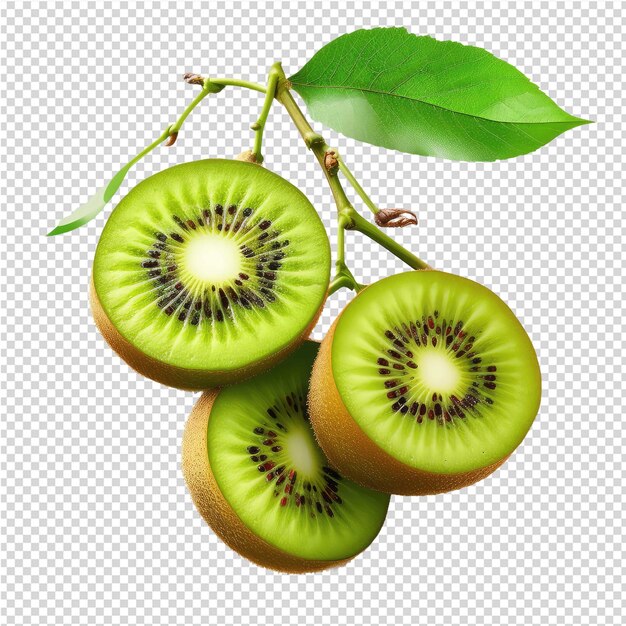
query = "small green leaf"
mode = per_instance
[
  {"x": 415, "y": 94},
  {"x": 86, "y": 212},
  {"x": 82, "y": 215}
]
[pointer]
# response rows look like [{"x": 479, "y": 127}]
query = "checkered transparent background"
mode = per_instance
[{"x": 97, "y": 527}]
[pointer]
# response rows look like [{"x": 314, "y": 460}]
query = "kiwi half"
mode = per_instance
[
  {"x": 425, "y": 383},
  {"x": 209, "y": 272},
  {"x": 260, "y": 480}
]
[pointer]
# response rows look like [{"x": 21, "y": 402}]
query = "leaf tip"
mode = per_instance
[{"x": 57, "y": 230}]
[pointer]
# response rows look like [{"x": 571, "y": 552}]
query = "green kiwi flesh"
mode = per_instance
[
  {"x": 212, "y": 266},
  {"x": 275, "y": 477},
  {"x": 437, "y": 371}
]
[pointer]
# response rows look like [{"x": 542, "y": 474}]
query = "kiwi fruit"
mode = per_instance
[
  {"x": 425, "y": 383},
  {"x": 260, "y": 480},
  {"x": 209, "y": 272}
]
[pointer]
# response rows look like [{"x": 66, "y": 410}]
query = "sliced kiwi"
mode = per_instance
[
  {"x": 209, "y": 272},
  {"x": 259, "y": 478},
  {"x": 425, "y": 383}
]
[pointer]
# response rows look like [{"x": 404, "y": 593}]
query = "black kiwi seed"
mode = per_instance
[
  {"x": 223, "y": 299},
  {"x": 180, "y": 222}
]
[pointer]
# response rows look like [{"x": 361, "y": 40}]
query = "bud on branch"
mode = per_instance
[
  {"x": 171, "y": 140},
  {"x": 395, "y": 218},
  {"x": 193, "y": 79},
  {"x": 331, "y": 163}
]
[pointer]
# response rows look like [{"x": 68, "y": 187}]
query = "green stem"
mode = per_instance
[
  {"x": 373, "y": 232},
  {"x": 341, "y": 242},
  {"x": 235, "y": 82},
  {"x": 117, "y": 180},
  {"x": 259, "y": 125},
  {"x": 357, "y": 187},
  {"x": 343, "y": 276},
  {"x": 352, "y": 219},
  {"x": 206, "y": 90},
  {"x": 313, "y": 141},
  {"x": 344, "y": 279}
]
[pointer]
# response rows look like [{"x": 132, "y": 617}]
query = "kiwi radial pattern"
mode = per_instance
[
  {"x": 425, "y": 383},
  {"x": 209, "y": 272},
  {"x": 261, "y": 481}
]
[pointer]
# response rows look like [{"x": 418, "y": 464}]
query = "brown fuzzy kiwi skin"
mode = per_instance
[
  {"x": 216, "y": 511},
  {"x": 180, "y": 377},
  {"x": 355, "y": 455}
]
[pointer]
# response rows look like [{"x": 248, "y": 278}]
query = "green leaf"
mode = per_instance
[
  {"x": 415, "y": 94},
  {"x": 83, "y": 214},
  {"x": 87, "y": 211}
]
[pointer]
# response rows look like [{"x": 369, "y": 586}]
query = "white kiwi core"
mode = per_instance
[
  {"x": 301, "y": 450},
  {"x": 212, "y": 258},
  {"x": 438, "y": 372}
]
